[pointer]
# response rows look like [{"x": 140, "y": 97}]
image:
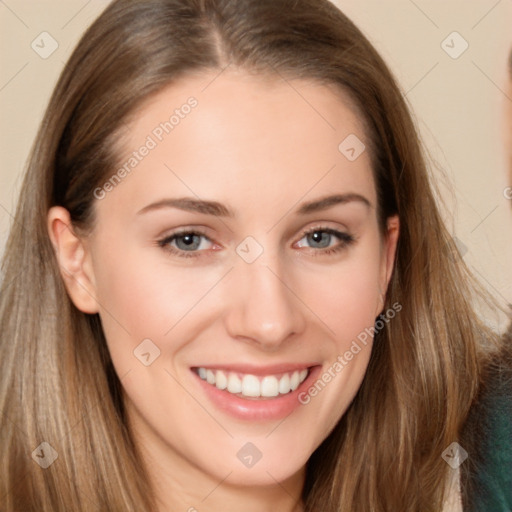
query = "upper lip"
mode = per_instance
[{"x": 258, "y": 370}]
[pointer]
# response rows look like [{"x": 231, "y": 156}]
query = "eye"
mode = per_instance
[
  {"x": 185, "y": 243},
  {"x": 322, "y": 238},
  {"x": 191, "y": 243}
]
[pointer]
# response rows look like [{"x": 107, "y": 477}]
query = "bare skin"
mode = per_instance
[{"x": 256, "y": 146}]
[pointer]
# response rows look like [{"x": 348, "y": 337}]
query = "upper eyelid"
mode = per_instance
[{"x": 200, "y": 232}]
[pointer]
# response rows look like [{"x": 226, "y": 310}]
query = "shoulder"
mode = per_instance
[{"x": 487, "y": 477}]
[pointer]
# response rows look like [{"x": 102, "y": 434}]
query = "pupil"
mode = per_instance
[
  {"x": 187, "y": 241},
  {"x": 319, "y": 237}
]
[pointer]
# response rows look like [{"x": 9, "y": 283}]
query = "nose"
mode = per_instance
[{"x": 264, "y": 309}]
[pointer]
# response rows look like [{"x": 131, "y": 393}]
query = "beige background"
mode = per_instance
[{"x": 458, "y": 103}]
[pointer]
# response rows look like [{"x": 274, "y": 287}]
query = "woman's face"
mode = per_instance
[{"x": 241, "y": 247}]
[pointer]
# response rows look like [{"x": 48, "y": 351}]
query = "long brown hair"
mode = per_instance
[{"x": 57, "y": 382}]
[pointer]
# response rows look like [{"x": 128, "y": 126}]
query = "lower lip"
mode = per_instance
[{"x": 257, "y": 409}]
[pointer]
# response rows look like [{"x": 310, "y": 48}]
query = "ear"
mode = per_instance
[
  {"x": 388, "y": 253},
  {"x": 73, "y": 259}
]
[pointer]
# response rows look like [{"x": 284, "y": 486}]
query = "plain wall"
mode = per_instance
[{"x": 458, "y": 102}]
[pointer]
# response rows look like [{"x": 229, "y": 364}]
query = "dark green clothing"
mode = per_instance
[{"x": 486, "y": 479}]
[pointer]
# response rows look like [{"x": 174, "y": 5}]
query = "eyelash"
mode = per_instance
[{"x": 345, "y": 241}]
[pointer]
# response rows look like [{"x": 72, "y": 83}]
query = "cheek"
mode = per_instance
[
  {"x": 346, "y": 296},
  {"x": 143, "y": 299}
]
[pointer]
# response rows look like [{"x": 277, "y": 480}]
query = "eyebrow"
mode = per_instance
[{"x": 219, "y": 210}]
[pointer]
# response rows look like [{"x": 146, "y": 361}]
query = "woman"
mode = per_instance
[{"x": 173, "y": 336}]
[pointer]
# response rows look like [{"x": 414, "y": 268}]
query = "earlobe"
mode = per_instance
[{"x": 72, "y": 257}]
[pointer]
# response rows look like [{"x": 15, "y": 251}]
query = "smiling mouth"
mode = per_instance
[{"x": 252, "y": 386}]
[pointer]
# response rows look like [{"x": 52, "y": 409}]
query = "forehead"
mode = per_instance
[{"x": 238, "y": 135}]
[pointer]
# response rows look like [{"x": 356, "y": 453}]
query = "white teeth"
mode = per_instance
[
  {"x": 294, "y": 381},
  {"x": 284, "y": 384},
  {"x": 269, "y": 386},
  {"x": 210, "y": 377},
  {"x": 234, "y": 384},
  {"x": 221, "y": 381},
  {"x": 252, "y": 386}
]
